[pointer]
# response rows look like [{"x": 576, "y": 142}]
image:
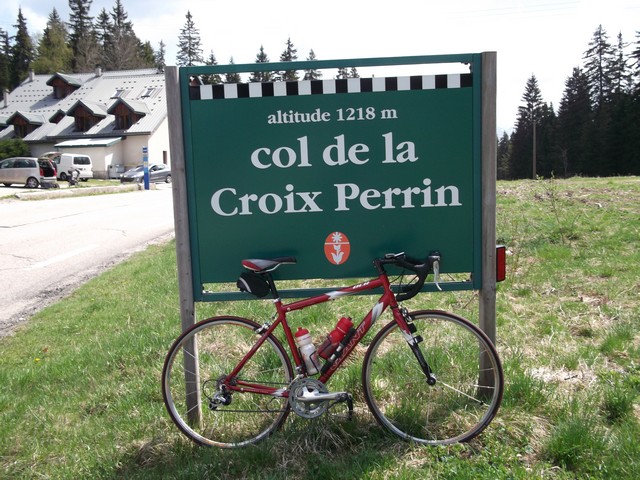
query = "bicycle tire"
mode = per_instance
[
  {"x": 221, "y": 343},
  {"x": 458, "y": 407}
]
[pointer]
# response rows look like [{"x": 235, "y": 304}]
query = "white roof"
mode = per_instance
[
  {"x": 89, "y": 142},
  {"x": 142, "y": 89}
]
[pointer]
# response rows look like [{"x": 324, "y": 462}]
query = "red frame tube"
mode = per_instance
[{"x": 386, "y": 300}]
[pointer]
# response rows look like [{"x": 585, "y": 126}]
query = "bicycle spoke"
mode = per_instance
[
  {"x": 228, "y": 418},
  {"x": 453, "y": 409}
]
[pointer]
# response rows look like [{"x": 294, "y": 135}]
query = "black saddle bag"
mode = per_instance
[{"x": 253, "y": 283}]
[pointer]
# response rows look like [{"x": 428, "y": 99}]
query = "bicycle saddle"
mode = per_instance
[{"x": 260, "y": 265}]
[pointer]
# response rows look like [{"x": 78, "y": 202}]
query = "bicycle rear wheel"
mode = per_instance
[
  {"x": 466, "y": 395},
  {"x": 228, "y": 419}
]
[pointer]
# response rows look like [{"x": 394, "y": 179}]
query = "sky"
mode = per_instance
[{"x": 545, "y": 38}]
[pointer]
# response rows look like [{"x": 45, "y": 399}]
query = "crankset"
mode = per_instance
[{"x": 310, "y": 398}]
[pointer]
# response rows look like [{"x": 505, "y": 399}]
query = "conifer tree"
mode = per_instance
[
  {"x": 524, "y": 154},
  {"x": 82, "y": 36},
  {"x": 21, "y": 51},
  {"x": 635, "y": 59},
  {"x": 103, "y": 29},
  {"x": 189, "y": 49},
  {"x": 619, "y": 71},
  {"x": 125, "y": 50},
  {"x": 504, "y": 157},
  {"x": 312, "y": 73},
  {"x": 599, "y": 58},
  {"x": 53, "y": 53},
  {"x": 574, "y": 116},
  {"x": 213, "y": 78},
  {"x": 265, "y": 76},
  {"x": 160, "y": 56},
  {"x": 5, "y": 55},
  {"x": 289, "y": 54},
  {"x": 232, "y": 77},
  {"x": 146, "y": 55}
]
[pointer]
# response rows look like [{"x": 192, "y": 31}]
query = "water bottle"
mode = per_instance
[
  {"x": 307, "y": 350},
  {"x": 334, "y": 338}
]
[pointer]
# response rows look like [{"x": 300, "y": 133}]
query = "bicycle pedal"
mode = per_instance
[{"x": 343, "y": 397}]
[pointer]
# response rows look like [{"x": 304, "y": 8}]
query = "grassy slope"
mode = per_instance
[{"x": 80, "y": 395}]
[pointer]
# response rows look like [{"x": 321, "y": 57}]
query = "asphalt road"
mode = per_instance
[{"x": 49, "y": 247}]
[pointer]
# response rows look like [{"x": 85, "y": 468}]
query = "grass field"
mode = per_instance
[{"x": 80, "y": 382}]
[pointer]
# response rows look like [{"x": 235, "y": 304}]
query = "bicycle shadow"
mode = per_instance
[{"x": 319, "y": 448}]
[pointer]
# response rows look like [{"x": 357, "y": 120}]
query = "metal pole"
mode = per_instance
[
  {"x": 145, "y": 167},
  {"x": 183, "y": 251},
  {"x": 487, "y": 294}
]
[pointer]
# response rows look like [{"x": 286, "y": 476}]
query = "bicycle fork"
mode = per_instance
[{"x": 414, "y": 341}]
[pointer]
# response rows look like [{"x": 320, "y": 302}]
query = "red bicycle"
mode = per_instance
[{"x": 428, "y": 376}]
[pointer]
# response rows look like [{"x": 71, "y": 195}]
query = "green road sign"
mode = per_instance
[{"x": 333, "y": 172}]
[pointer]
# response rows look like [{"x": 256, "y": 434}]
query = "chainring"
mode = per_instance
[{"x": 301, "y": 397}]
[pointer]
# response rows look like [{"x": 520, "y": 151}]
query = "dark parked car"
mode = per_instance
[
  {"x": 158, "y": 173},
  {"x": 29, "y": 171}
]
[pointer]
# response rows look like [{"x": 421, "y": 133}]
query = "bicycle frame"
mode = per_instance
[{"x": 386, "y": 300}]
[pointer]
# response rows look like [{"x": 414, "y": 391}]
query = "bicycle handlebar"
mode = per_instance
[{"x": 421, "y": 268}]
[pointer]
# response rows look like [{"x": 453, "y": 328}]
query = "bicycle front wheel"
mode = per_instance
[
  {"x": 197, "y": 401},
  {"x": 468, "y": 388}
]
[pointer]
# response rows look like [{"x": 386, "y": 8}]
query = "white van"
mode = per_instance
[{"x": 80, "y": 162}]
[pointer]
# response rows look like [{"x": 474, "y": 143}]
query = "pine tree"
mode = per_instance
[
  {"x": 5, "y": 56},
  {"x": 574, "y": 117},
  {"x": 549, "y": 159},
  {"x": 189, "y": 49},
  {"x": 103, "y": 28},
  {"x": 21, "y": 51},
  {"x": 53, "y": 53},
  {"x": 620, "y": 72},
  {"x": 160, "y": 56},
  {"x": 524, "y": 153},
  {"x": 124, "y": 50},
  {"x": 353, "y": 73},
  {"x": 504, "y": 157},
  {"x": 146, "y": 55},
  {"x": 599, "y": 59},
  {"x": 635, "y": 59},
  {"x": 261, "y": 57},
  {"x": 289, "y": 54},
  {"x": 342, "y": 73},
  {"x": 312, "y": 73},
  {"x": 82, "y": 36},
  {"x": 213, "y": 78},
  {"x": 232, "y": 77}
]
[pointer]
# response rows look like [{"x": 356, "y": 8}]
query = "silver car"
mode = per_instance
[{"x": 30, "y": 171}]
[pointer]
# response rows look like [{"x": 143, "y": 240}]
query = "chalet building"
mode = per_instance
[{"x": 109, "y": 116}]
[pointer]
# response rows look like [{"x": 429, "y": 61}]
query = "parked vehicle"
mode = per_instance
[
  {"x": 51, "y": 156},
  {"x": 158, "y": 173},
  {"x": 30, "y": 171},
  {"x": 69, "y": 161}
]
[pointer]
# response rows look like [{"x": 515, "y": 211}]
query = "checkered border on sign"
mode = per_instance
[{"x": 329, "y": 87}]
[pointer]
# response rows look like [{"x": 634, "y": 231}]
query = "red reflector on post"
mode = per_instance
[{"x": 501, "y": 263}]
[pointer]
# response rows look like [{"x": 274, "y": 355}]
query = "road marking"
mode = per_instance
[{"x": 62, "y": 258}]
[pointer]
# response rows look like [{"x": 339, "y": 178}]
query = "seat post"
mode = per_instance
[{"x": 272, "y": 285}]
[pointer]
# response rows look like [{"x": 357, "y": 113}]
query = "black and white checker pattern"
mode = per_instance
[{"x": 328, "y": 87}]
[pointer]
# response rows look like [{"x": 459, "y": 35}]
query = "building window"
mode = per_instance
[
  {"x": 119, "y": 93},
  {"x": 148, "y": 92}
]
